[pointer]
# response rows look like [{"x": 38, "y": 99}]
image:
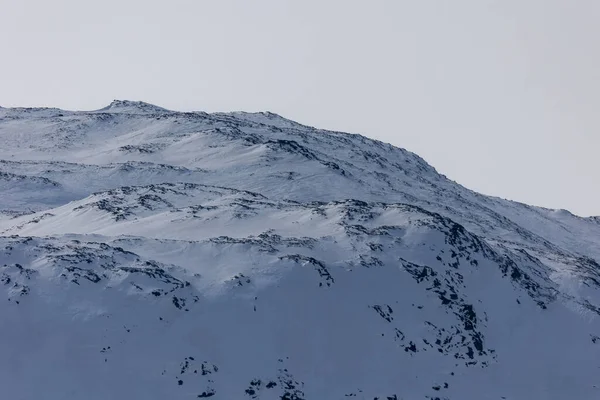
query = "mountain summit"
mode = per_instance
[
  {"x": 148, "y": 253},
  {"x": 132, "y": 107}
]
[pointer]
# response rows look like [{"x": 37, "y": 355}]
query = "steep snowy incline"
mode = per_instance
[
  {"x": 148, "y": 253},
  {"x": 418, "y": 308}
]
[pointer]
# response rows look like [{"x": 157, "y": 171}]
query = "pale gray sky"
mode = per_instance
[{"x": 502, "y": 96}]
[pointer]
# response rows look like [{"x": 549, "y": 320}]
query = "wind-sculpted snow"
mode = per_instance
[{"x": 146, "y": 253}]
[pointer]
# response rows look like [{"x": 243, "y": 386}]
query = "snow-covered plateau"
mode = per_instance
[{"x": 152, "y": 254}]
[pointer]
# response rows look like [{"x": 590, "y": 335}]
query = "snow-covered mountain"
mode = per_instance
[{"x": 153, "y": 254}]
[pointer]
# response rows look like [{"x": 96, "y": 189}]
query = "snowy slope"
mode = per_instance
[{"x": 147, "y": 253}]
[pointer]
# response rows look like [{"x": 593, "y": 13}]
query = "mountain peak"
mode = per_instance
[{"x": 132, "y": 107}]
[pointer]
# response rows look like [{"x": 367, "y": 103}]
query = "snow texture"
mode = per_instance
[{"x": 153, "y": 254}]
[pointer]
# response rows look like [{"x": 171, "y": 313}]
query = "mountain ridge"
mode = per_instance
[
  {"x": 243, "y": 255},
  {"x": 148, "y": 107}
]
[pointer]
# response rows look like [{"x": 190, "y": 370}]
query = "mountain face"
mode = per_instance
[{"x": 152, "y": 254}]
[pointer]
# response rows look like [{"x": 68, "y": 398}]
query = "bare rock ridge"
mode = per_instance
[{"x": 150, "y": 253}]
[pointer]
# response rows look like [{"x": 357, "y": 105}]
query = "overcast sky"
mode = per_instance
[{"x": 501, "y": 96}]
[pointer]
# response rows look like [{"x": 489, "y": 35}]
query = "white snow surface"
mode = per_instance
[{"x": 153, "y": 254}]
